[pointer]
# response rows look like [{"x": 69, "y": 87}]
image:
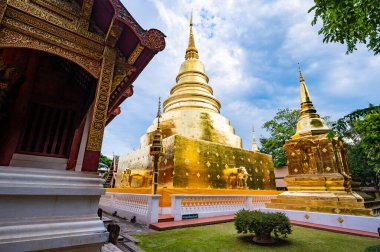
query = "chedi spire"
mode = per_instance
[
  {"x": 191, "y": 51},
  {"x": 309, "y": 123}
]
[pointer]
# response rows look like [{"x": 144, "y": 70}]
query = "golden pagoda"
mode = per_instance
[
  {"x": 319, "y": 175},
  {"x": 202, "y": 149}
]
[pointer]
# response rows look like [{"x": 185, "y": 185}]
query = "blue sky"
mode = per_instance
[{"x": 250, "y": 50}]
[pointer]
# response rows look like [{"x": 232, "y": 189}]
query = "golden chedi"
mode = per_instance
[
  {"x": 202, "y": 149},
  {"x": 319, "y": 176}
]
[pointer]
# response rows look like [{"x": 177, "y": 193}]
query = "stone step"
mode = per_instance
[{"x": 165, "y": 219}]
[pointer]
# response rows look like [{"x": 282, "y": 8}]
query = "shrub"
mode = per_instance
[{"x": 262, "y": 225}]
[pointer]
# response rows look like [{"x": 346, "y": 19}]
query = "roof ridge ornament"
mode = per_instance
[{"x": 191, "y": 51}]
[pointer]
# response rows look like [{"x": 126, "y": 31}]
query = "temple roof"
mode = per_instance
[{"x": 112, "y": 18}]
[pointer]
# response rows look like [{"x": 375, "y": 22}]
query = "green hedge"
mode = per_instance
[{"x": 262, "y": 224}]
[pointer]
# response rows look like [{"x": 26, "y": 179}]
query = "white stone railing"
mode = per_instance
[
  {"x": 141, "y": 207},
  {"x": 215, "y": 205}
]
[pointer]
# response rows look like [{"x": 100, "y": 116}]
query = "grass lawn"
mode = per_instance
[{"x": 223, "y": 237}]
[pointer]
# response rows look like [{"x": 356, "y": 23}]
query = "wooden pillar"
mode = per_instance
[
  {"x": 75, "y": 145},
  {"x": 99, "y": 115}
]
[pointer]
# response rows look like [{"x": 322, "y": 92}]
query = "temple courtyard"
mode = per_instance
[{"x": 223, "y": 237}]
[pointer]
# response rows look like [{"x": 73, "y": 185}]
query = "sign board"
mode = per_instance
[{"x": 189, "y": 216}]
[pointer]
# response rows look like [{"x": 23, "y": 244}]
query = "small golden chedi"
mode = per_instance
[{"x": 319, "y": 175}]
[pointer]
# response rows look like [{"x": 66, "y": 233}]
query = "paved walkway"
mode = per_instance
[{"x": 126, "y": 227}]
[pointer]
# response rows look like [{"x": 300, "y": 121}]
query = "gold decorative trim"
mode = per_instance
[
  {"x": 135, "y": 54},
  {"x": 114, "y": 33},
  {"x": 42, "y": 35},
  {"x": 54, "y": 20},
  {"x": 40, "y": 24},
  {"x": 42, "y": 14},
  {"x": 70, "y": 7},
  {"x": 3, "y": 6},
  {"x": 87, "y": 9},
  {"x": 122, "y": 70},
  {"x": 62, "y": 10},
  {"x": 9, "y": 38},
  {"x": 340, "y": 220},
  {"x": 103, "y": 92}
]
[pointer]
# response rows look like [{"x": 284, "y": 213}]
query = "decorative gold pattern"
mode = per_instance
[
  {"x": 87, "y": 9},
  {"x": 3, "y": 6},
  {"x": 53, "y": 19},
  {"x": 42, "y": 25},
  {"x": 114, "y": 33},
  {"x": 9, "y": 38},
  {"x": 42, "y": 14},
  {"x": 307, "y": 216},
  {"x": 122, "y": 71},
  {"x": 135, "y": 54},
  {"x": 340, "y": 220},
  {"x": 42, "y": 35},
  {"x": 65, "y": 9},
  {"x": 99, "y": 117}
]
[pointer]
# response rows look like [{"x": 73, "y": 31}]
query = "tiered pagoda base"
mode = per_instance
[{"x": 338, "y": 202}]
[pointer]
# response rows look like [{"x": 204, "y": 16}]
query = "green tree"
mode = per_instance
[
  {"x": 105, "y": 160},
  {"x": 281, "y": 128},
  {"x": 350, "y": 22},
  {"x": 360, "y": 130}
]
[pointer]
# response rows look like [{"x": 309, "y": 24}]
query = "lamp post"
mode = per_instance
[{"x": 156, "y": 150}]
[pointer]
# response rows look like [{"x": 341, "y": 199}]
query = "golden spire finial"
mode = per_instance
[
  {"x": 309, "y": 122},
  {"x": 191, "y": 51},
  {"x": 304, "y": 92},
  {"x": 299, "y": 70},
  {"x": 191, "y": 18},
  {"x": 158, "y": 113}
]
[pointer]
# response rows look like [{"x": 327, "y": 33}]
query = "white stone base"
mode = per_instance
[
  {"x": 361, "y": 223},
  {"x": 44, "y": 209},
  {"x": 22, "y": 160}
]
